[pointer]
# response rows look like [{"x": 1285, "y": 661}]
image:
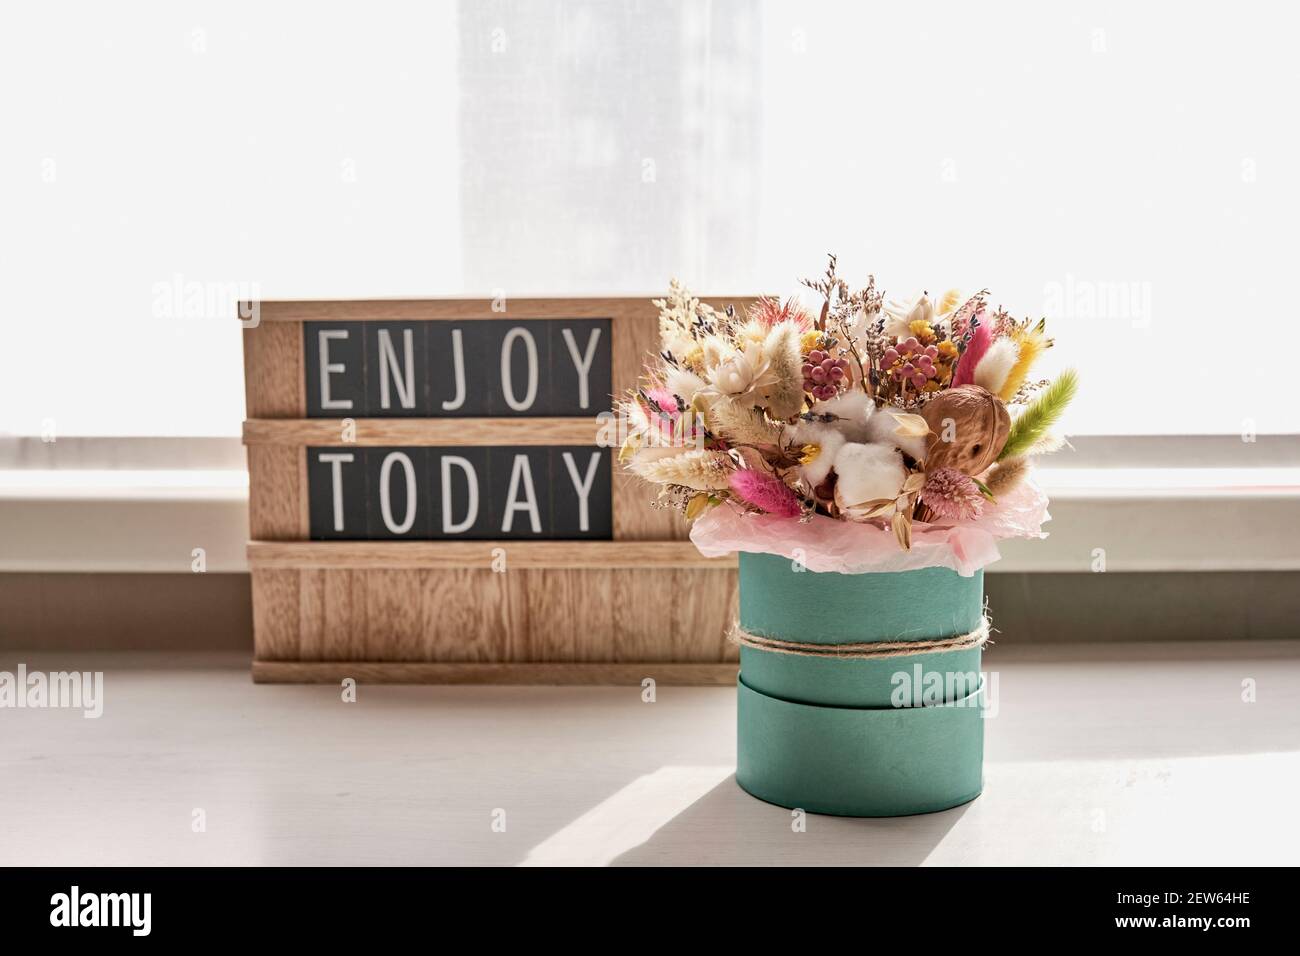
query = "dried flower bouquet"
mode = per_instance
[{"x": 873, "y": 412}]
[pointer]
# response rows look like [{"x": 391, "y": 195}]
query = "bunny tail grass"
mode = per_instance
[{"x": 1031, "y": 425}]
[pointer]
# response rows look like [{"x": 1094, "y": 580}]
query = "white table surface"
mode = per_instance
[{"x": 1130, "y": 754}]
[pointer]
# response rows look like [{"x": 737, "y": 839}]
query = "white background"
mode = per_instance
[{"x": 1127, "y": 169}]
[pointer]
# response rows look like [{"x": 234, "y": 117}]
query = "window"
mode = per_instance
[{"x": 299, "y": 151}]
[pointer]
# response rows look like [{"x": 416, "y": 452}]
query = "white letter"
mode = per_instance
[
  {"x": 458, "y": 372},
  {"x": 95, "y": 703},
  {"x": 385, "y": 503},
  {"x": 388, "y": 361},
  {"x": 522, "y": 470},
  {"x": 141, "y": 917},
  {"x": 326, "y": 369},
  {"x": 59, "y": 915},
  {"x": 454, "y": 527},
  {"x": 507, "y": 385},
  {"x": 582, "y": 485},
  {"x": 582, "y": 363},
  {"x": 336, "y": 460}
]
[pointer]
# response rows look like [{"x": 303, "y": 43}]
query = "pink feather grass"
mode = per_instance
[
  {"x": 979, "y": 343},
  {"x": 765, "y": 492}
]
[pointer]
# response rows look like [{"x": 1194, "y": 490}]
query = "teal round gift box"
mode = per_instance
[{"x": 852, "y": 737}]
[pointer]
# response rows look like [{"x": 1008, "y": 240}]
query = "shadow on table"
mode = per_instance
[{"x": 728, "y": 827}]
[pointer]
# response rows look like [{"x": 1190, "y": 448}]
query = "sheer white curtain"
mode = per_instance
[{"x": 1124, "y": 169}]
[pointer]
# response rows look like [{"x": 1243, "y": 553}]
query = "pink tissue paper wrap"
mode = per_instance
[{"x": 848, "y": 547}]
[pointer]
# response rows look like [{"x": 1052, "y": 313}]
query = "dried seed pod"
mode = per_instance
[{"x": 969, "y": 425}]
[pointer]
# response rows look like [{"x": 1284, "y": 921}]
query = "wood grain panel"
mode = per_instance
[
  {"x": 410, "y": 310},
  {"x": 522, "y": 615},
  {"x": 311, "y": 615},
  {"x": 704, "y": 607},
  {"x": 276, "y": 615},
  {"x": 643, "y": 624},
  {"x": 637, "y": 514},
  {"x": 636, "y": 342},
  {"x": 394, "y": 613},
  {"x": 277, "y": 499},
  {"x": 464, "y": 432},
  {"x": 274, "y": 383},
  {"x": 469, "y": 615},
  {"x": 480, "y": 554},
  {"x": 387, "y": 672},
  {"x": 347, "y": 626}
]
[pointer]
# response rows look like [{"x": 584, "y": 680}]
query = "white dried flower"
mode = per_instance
[
  {"x": 783, "y": 397},
  {"x": 822, "y": 442},
  {"x": 884, "y": 428},
  {"x": 899, "y": 316},
  {"x": 702, "y": 469},
  {"x": 855, "y": 409},
  {"x": 996, "y": 364},
  {"x": 743, "y": 375},
  {"x": 867, "y": 473},
  {"x": 683, "y": 382}
]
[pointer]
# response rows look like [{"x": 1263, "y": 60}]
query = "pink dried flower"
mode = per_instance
[
  {"x": 825, "y": 376},
  {"x": 979, "y": 343},
  {"x": 912, "y": 362},
  {"x": 765, "y": 492},
  {"x": 665, "y": 400},
  {"x": 770, "y": 310},
  {"x": 666, "y": 418},
  {"x": 952, "y": 496}
]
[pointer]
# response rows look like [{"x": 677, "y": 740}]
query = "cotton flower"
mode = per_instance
[
  {"x": 819, "y": 442},
  {"x": 884, "y": 428},
  {"x": 853, "y": 409},
  {"x": 867, "y": 473},
  {"x": 952, "y": 496}
]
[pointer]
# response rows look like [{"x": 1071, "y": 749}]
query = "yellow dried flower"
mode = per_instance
[
  {"x": 630, "y": 446},
  {"x": 697, "y": 506},
  {"x": 949, "y": 301},
  {"x": 1032, "y": 342},
  {"x": 809, "y": 341},
  {"x": 947, "y": 348},
  {"x": 921, "y": 329},
  {"x": 694, "y": 359},
  {"x": 810, "y": 453}
]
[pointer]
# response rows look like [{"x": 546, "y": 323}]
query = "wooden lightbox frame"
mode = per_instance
[{"x": 643, "y": 605}]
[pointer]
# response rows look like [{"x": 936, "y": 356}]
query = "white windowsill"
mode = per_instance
[{"x": 106, "y": 519}]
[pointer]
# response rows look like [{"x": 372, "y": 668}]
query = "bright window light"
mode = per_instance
[{"x": 299, "y": 151}]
